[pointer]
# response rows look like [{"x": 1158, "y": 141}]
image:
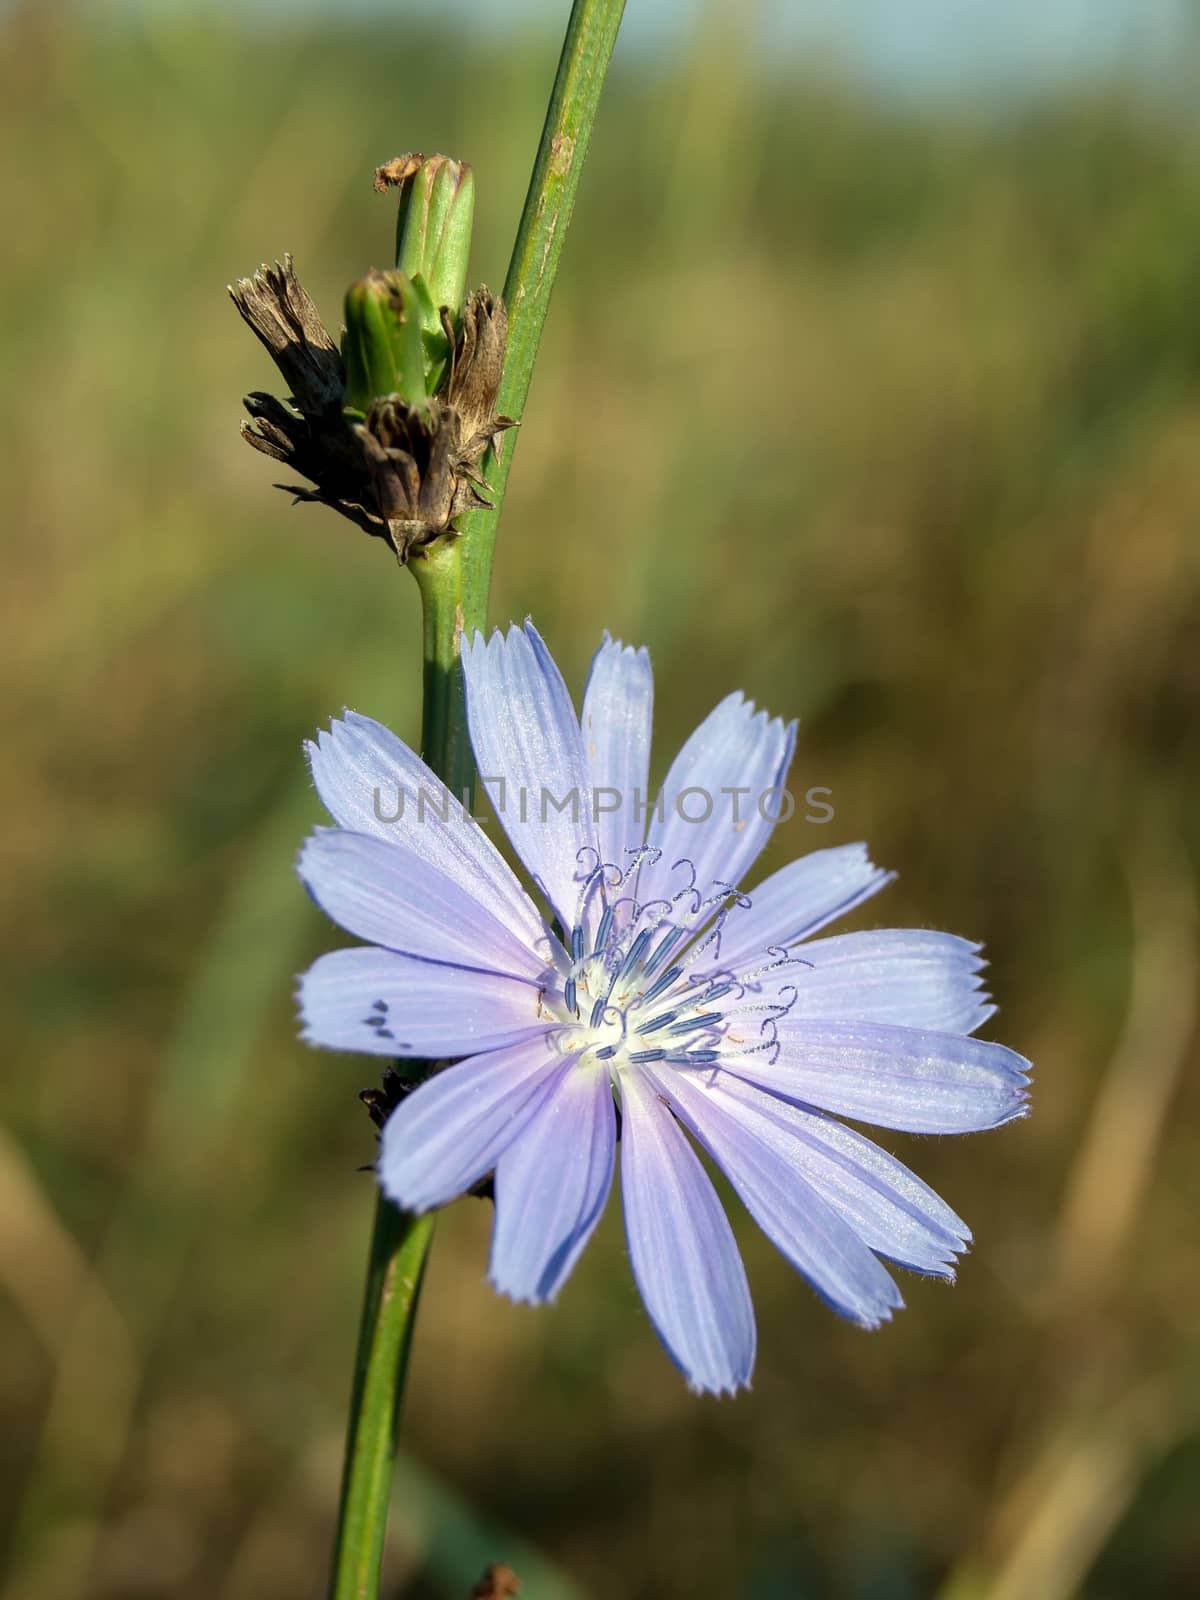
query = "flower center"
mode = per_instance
[{"x": 642, "y": 983}]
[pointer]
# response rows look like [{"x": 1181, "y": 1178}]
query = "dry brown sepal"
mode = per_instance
[{"x": 403, "y": 473}]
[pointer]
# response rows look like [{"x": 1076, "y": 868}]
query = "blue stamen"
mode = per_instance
[
  {"x": 577, "y": 943},
  {"x": 598, "y": 1010},
  {"x": 608, "y": 1052},
  {"x": 669, "y": 940},
  {"x": 665, "y": 982},
  {"x": 640, "y": 1057},
  {"x": 694, "y": 1058},
  {"x": 690, "y": 1024},
  {"x": 660, "y": 1021},
  {"x": 569, "y": 996},
  {"x": 636, "y": 952},
  {"x": 603, "y": 931}
]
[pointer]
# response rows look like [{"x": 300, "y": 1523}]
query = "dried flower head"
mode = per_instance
[{"x": 392, "y": 428}]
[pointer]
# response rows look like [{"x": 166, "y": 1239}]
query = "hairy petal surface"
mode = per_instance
[
  {"x": 684, "y": 1256},
  {"x": 907, "y": 1078},
  {"x": 386, "y": 1004},
  {"x": 761, "y": 1164},
  {"x": 798, "y": 900},
  {"x": 911, "y": 977},
  {"x": 618, "y": 709},
  {"x": 385, "y": 894},
  {"x": 371, "y": 782},
  {"x": 452, "y": 1129},
  {"x": 552, "y": 1185},
  {"x": 714, "y": 814},
  {"x": 524, "y": 731},
  {"x": 888, "y": 1206}
]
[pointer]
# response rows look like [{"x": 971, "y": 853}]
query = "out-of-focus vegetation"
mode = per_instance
[{"x": 889, "y": 416}]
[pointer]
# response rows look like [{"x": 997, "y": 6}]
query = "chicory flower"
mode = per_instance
[{"x": 647, "y": 1002}]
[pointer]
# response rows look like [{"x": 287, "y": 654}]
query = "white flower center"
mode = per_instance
[{"x": 643, "y": 984}]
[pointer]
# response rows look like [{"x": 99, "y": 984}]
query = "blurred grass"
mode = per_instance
[{"x": 916, "y": 456}]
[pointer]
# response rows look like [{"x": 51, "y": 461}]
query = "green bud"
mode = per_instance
[
  {"x": 433, "y": 225},
  {"x": 385, "y": 348},
  {"x": 397, "y": 340}
]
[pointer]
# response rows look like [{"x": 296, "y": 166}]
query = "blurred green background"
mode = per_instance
[{"x": 884, "y": 409}]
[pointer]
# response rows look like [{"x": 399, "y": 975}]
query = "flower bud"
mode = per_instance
[
  {"x": 384, "y": 346},
  {"x": 433, "y": 226},
  {"x": 393, "y": 430}
]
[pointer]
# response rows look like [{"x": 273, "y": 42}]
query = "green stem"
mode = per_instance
[
  {"x": 448, "y": 611},
  {"x": 400, "y": 1242},
  {"x": 399, "y": 1246},
  {"x": 574, "y": 101},
  {"x": 454, "y": 579}
]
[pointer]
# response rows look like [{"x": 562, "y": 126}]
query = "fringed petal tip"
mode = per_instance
[
  {"x": 638, "y": 652},
  {"x": 324, "y": 744},
  {"x": 873, "y": 1325},
  {"x": 301, "y": 864},
  {"x": 304, "y": 860},
  {"x": 406, "y": 1196},
  {"x": 1018, "y": 1105},
  {"x": 499, "y": 636},
  {"x": 879, "y": 1311},
  {"x": 524, "y": 1297},
  {"x": 1019, "y": 1108},
  {"x": 947, "y": 1272},
  {"x": 858, "y": 854},
  {"x": 1022, "y": 1108},
  {"x": 1021, "y": 1081},
  {"x": 411, "y": 1207},
  {"x": 715, "y": 1391}
]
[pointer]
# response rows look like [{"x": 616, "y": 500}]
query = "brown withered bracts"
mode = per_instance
[{"x": 403, "y": 472}]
